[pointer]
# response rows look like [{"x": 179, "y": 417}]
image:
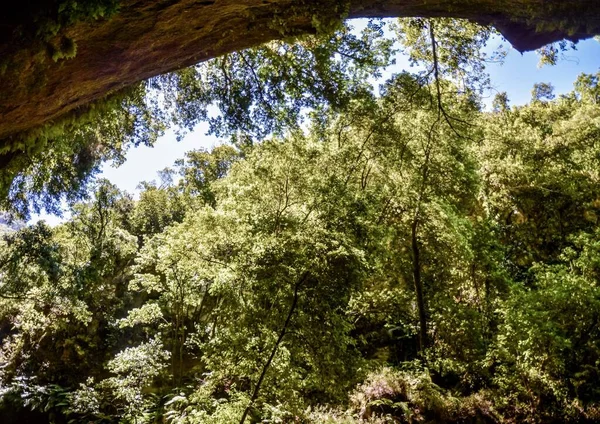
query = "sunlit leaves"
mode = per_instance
[
  {"x": 268, "y": 89},
  {"x": 460, "y": 49}
]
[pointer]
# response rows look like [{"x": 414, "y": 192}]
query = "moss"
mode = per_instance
[
  {"x": 37, "y": 82},
  {"x": 51, "y": 21},
  {"x": 66, "y": 49},
  {"x": 4, "y": 64},
  {"x": 41, "y": 32},
  {"x": 36, "y": 139},
  {"x": 314, "y": 14}
]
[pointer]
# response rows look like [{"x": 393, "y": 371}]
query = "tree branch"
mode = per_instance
[{"x": 282, "y": 334}]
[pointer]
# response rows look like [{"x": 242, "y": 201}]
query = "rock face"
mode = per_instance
[{"x": 149, "y": 37}]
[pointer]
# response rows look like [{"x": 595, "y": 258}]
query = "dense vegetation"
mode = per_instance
[{"x": 352, "y": 256}]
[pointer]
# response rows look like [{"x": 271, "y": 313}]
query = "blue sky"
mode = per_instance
[
  {"x": 520, "y": 71},
  {"x": 516, "y": 76}
]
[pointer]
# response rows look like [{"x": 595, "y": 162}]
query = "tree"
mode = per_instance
[
  {"x": 200, "y": 169},
  {"x": 548, "y": 343},
  {"x": 60, "y": 302},
  {"x": 542, "y": 91},
  {"x": 402, "y": 242},
  {"x": 537, "y": 181}
]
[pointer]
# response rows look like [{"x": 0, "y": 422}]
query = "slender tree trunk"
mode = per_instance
[
  {"x": 175, "y": 350},
  {"x": 282, "y": 333},
  {"x": 419, "y": 287}
]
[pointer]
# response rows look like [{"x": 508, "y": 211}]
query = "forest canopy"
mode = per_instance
[{"x": 389, "y": 254}]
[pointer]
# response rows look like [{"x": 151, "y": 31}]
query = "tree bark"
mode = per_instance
[{"x": 150, "y": 37}]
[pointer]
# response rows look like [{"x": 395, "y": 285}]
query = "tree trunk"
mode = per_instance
[
  {"x": 282, "y": 334},
  {"x": 419, "y": 286}
]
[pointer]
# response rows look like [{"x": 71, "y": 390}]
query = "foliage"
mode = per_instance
[
  {"x": 412, "y": 396},
  {"x": 36, "y": 178}
]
